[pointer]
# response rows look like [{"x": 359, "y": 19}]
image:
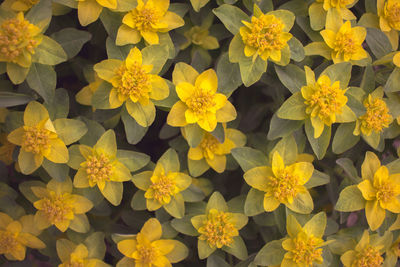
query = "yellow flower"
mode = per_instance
[
  {"x": 90, "y": 10},
  {"x": 200, "y": 36},
  {"x": 147, "y": 20},
  {"x": 339, "y": 4},
  {"x": 389, "y": 15},
  {"x": 380, "y": 190},
  {"x": 16, "y": 236},
  {"x": 18, "y": 40},
  {"x": 325, "y": 102},
  {"x": 134, "y": 85},
  {"x": 282, "y": 184},
  {"x": 303, "y": 244},
  {"x": 38, "y": 139},
  {"x": 345, "y": 42},
  {"x": 73, "y": 255},
  {"x": 57, "y": 206},
  {"x": 163, "y": 185},
  {"x": 376, "y": 117},
  {"x": 100, "y": 167},
  {"x": 147, "y": 249},
  {"x": 265, "y": 36},
  {"x": 19, "y": 5},
  {"x": 213, "y": 151},
  {"x": 368, "y": 252},
  {"x": 200, "y": 103},
  {"x": 218, "y": 228}
]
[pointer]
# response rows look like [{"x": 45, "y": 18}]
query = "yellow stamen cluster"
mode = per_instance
[
  {"x": 16, "y": 39},
  {"x": 392, "y": 14},
  {"x": 368, "y": 257},
  {"x": 345, "y": 44},
  {"x": 145, "y": 18},
  {"x": 98, "y": 169},
  {"x": 218, "y": 230},
  {"x": 134, "y": 82},
  {"x": 377, "y": 116},
  {"x": 36, "y": 139},
  {"x": 201, "y": 101},
  {"x": 146, "y": 253},
  {"x": 284, "y": 186},
  {"x": 385, "y": 192},
  {"x": 8, "y": 242},
  {"x": 306, "y": 250},
  {"x": 265, "y": 33},
  {"x": 163, "y": 188},
  {"x": 325, "y": 101},
  {"x": 209, "y": 145},
  {"x": 57, "y": 207}
]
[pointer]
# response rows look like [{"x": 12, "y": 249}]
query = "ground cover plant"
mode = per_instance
[{"x": 199, "y": 133}]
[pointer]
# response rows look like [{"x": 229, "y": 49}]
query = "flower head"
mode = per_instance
[
  {"x": 163, "y": 185},
  {"x": 218, "y": 228},
  {"x": 376, "y": 117},
  {"x": 133, "y": 85},
  {"x": 339, "y": 4},
  {"x": 213, "y": 151},
  {"x": 147, "y": 20},
  {"x": 100, "y": 167},
  {"x": 265, "y": 35},
  {"x": 38, "y": 139},
  {"x": 389, "y": 15},
  {"x": 345, "y": 42},
  {"x": 380, "y": 189},
  {"x": 57, "y": 206},
  {"x": 148, "y": 249},
  {"x": 16, "y": 235},
  {"x": 18, "y": 40},
  {"x": 199, "y": 101},
  {"x": 281, "y": 184}
]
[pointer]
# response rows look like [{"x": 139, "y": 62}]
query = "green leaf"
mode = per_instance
[
  {"x": 317, "y": 16},
  {"x": 249, "y": 158},
  {"x": 10, "y": 99},
  {"x": 280, "y": 127},
  {"x": 111, "y": 22},
  {"x": 133, "y": 160},
  {"x": 293, "y": 108},
  {"x": 198, "y": 4},
  {"x": 138, "y": 201},
  {"x": 58, "y": 107},
  {"x": 339, "y": 72},
  {"x": 231, "y": 16},
  {"x": 193, "y": 194},
  {"x": 40, "y": 14},
  {"x": 156, "y": 55},
  {"x": 228, "y": 75},
  {"x": 176, "y": 208},
  {"x": 344, "y": 138},
  {"x": 254, "y": 202},
  {"x": 96, "y": 245},
  {"x": 317, "y": 179},
  {"x": 101, "y": 98},
  {"x": 237, "y": 248},
  {"x": 113, "y": 192},
  {"x": 197, "y": 167},
  {"x": 350, "y": 199},
  {"x": 287, "y": 149},
  {"x": 251, "y": 71},
  {"x": 184, "y": 226},
  {"x": 71, "y": 40},
  {"x": 393, "y": 82},
  {"x": 292, "y": 77},
  {"x": 320, "y": 144},
  {"x": 217, "y": 202},
  {"x": 297, "y": 52},
  {"x": 216, "y": 261},
  {"x": 95, "y": 131},
  {"x": 49, "y": 52},
  {"x": 70, "y": 131},
  {"x": 134, "y": 132},
  {"x": 378, "y": 42},
  {"x": 80, "y": 223},
  {"x": 194, "y": 134},
  {"x": 368, "y": 80},
  {"x": 117, "y": 52},
  {"x": 42, "y": 79},
  {"x": 204, "y": 250},
  {"x": 348, "y": 167},
  {"x": 57, "y": 171},
  {"x": 271, "y": 254}
]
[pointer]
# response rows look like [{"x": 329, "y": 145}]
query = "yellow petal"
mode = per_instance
[
  {"x": 58, "y": 151},
  {"x": 88, "y": 11},
  {"x": 127, "y": 247},
  {"x": 150, "y": 37},
  {"x": 226, "y": 113},
  {"x": 160, "y": 89},
  {"x": 195, "y": 153},
  {"x": 218, "y": 163},
  {"x": 176, "y": 116},
  {"x": 375, "y": 214},
  {"x": 127, "y": 35},
  {"x": 208, "y": 122},
  {"x": 277, "y": 163},
  {"x": 185, "y": 91},
  {"x": 29, "y": 162},
  {"x": 152, "y": 229},
  {"x": 35, "y": 113},
  {"x": 173, "y": 21},
  {"x": 207, "y": 80},
  {"x": 16, "y": 136},
  {"x": 82, "y": 204},
  {"x": 270, "y": 204},
  {"x": 367, "y": 190},
  {"x": 164, "y": 246},
  {"x": 258, "y": 177},
  {"x": 134, "y": 57}
]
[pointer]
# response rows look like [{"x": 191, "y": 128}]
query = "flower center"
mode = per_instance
[
  {"x": 134, "y": 82},
  {"x": 8, "y": 242},
  {"x": 369, "y": 257},
  {"x": 16, "y": 38},
  {"x": 392, "y": 14},
  {"x": 201, "y": 101},
  {"x": 284, "y": 186},
  {"x": 325, "y": 100},
  {"x": 209, "y": 145},
  {"x": 163, "y": 188},
  {"x": 377, "y": 115},
  {"x": 57, "y": 207},
  {"x": 217, "y": 230},
  {"x": 98, "y": 169},
  {"x": 144, "y": 18},
  {"x": 35, "y": 139},
  {"x": 147, "y": 253},
  {"x": 385, "y": 192},
  {"x": 265, "y": 33},
  {"x": 345, "y": 44},
  {"x": 306, "y": 251}
]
